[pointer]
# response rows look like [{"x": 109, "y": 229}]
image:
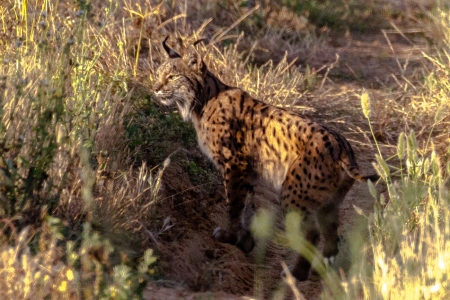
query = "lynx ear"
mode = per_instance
[
  {"x": 172, "y": 53},
  {"x": 194, "y": 60},
  {"x": 199, "y": 41}
]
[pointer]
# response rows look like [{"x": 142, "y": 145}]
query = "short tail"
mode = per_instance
[
  {"x": 348, "y": 162},
  {"x": 353, "y": 171},
  {"x": 373, "y": 177}
]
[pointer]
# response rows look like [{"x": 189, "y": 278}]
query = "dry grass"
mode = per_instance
[{"x": 83, "y": 141}]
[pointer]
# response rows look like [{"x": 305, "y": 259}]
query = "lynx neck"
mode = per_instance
[{"x": 212, "y": 86}]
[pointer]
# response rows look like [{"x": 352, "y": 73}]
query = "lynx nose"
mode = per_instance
[{"x": 157, "y": 86}]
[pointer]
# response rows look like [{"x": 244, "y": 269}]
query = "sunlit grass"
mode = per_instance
[
  {"x": 63, "y": 81},
  {"x": 406, "y": 256},
  {"x": 75, "y": 200}
]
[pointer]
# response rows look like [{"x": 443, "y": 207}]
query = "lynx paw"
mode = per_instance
[
  {"x": 222, "y": 236},
  {"x": 243, "y": 240},
  {"x": 300, "y": 275},
  {"x": 300, "y": 270},
  {"x": 329, "y": 261}
]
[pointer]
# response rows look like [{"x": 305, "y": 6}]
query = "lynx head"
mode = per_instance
[{"x": 179, "y": 80}]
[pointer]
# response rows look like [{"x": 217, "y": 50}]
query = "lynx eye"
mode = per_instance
[{"x": 171, "y": 77}]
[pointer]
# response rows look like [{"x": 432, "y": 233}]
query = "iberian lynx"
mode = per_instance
[{"x": 311, "y": 166}]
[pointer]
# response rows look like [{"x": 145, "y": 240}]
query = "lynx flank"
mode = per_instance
[{"x": 311, "y": 166}]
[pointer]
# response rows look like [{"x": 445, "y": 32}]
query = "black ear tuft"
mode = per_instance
[
  {"x": 199, "y": 41},
  {"x": 172, "y": 53}
]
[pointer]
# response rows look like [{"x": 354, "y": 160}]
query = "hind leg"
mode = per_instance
[
  {"x": 328, "y": 217},
  {"x": 296, "y": 196},
  {"x": 311, "y": 234},
  {"x": 239, "y": 192}
]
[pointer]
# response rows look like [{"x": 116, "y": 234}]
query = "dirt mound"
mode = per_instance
[{"x": 190, "y": 254}]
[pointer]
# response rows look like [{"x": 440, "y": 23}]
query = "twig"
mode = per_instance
[
  {"x": 393, "y": 51},
  {"x": 9, "y": 224},
  {"x": 217, "y": 38},
  {"x": 290, "y": 280},
  {"x": 150, "y": 234},
  {"x": 331, "y": 66}
]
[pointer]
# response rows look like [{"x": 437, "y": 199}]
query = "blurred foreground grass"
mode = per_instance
[{"x": 78, "y": 203}]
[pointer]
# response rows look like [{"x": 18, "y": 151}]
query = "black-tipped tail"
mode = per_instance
[{"x": 372, "y": 178}]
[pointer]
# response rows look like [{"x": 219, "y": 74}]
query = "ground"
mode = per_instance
[{"x": 196, "y": 266}]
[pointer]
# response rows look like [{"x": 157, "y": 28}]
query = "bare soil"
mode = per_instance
[{"x": 194, "y": 266}]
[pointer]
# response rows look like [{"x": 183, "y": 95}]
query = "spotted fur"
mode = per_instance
[{"x": 312, "y": 167}]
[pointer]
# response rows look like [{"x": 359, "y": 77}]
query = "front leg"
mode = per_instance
[{"x": 238, "y": 190}]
